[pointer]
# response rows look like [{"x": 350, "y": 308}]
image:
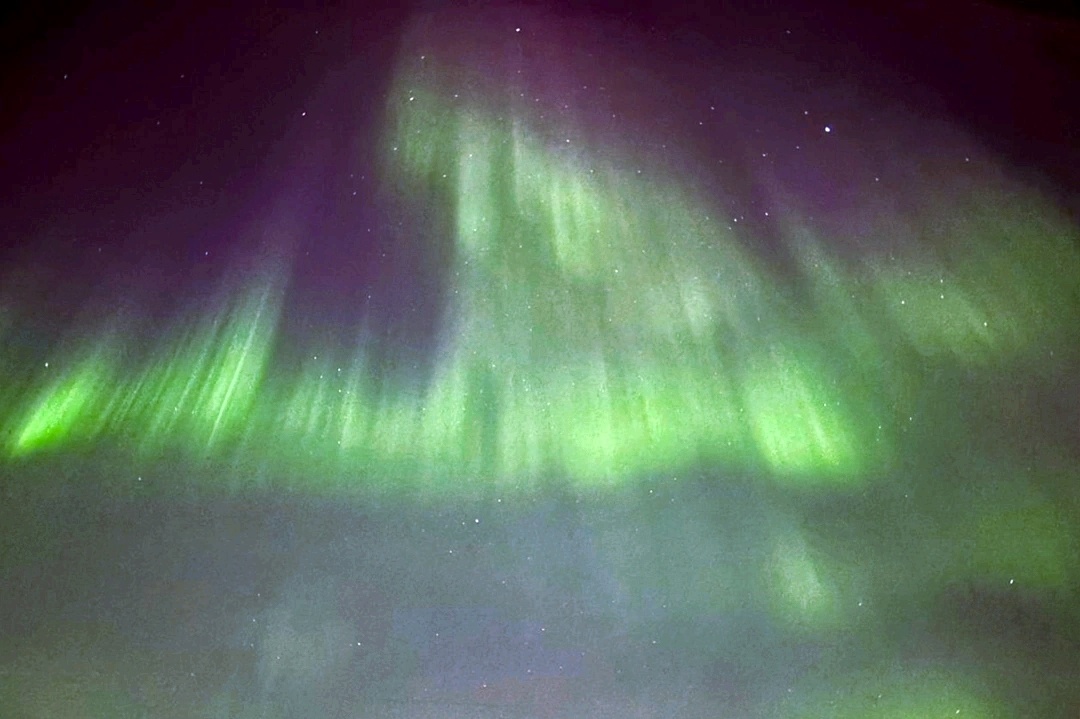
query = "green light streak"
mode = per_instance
[
  {"x": 205, "y": 388},
  {"x": 801, "y": 594},
  {"x": 64, "y": 411}
]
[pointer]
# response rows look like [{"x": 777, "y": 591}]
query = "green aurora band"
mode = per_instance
[{"x": 602, "y": 326}]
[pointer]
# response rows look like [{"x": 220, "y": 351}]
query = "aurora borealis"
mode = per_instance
[
  {"x": 586, "y": 294},
  {"x": 712, "y": 347}
]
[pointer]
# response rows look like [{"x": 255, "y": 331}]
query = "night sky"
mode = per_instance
[{"x": 501, "y": 360}]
